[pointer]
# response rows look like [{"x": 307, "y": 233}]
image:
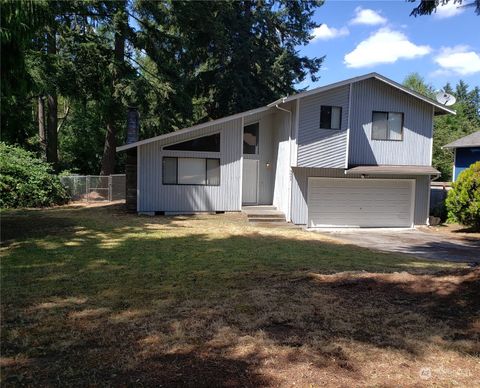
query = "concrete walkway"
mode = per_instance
[{"x": 412, "y": 242}]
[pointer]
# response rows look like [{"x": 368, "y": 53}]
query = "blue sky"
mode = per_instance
[{"x": 359, "y": 37}]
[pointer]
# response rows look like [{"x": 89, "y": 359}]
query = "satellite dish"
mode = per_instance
[{"x": 445, "y": 98}]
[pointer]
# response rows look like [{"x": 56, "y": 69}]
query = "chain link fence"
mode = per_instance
[{"x": 93, "y": 188}]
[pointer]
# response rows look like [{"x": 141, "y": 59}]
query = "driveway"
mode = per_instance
[{"x": 413, "y": 242}]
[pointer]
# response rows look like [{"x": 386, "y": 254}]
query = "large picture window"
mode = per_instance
[
  {"x": 387, "y": 126},
  {"x": 330, "y": 117},
  {"x": 209, "y": 143},
  {"x": 191, "y": 171},
  {"x": 250, "y": 139}
]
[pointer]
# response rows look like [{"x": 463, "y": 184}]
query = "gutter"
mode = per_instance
[{"x": 275, "y": 103}]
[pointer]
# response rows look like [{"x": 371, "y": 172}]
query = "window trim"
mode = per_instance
[
  {"x": 339, "y": 124},
  {"x": 257, "y": 146},
  {"x": 191, "y": 184},
  {"x": 388, "y": 129}
]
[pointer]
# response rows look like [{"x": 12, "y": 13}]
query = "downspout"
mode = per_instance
[
  {"x": 348, "y": 126},
  {"x": 276, "y": 105}
]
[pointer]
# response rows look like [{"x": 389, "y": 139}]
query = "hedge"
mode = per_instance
[{"x": 27, "y": 181}]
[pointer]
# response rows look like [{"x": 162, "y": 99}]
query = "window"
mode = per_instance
[
  {"x": 206, "y": 144},
  {"x": 387, "y": 126},
  {"x": 191, "y": 171},
  {"x": 330, "y": 117},
  {"x": 169, "y": 171},
  {"x": 250, "y": 139}
]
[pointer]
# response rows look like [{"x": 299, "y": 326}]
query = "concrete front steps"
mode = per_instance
[{"x": 265, "y": 214}]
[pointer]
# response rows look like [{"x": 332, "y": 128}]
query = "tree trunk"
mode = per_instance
[
  {"x": 41, "y": 126},
  {"x": 52, "y": 121},
  {"x": 52, "y": 138},
  {"x": 109, "y": 150}
]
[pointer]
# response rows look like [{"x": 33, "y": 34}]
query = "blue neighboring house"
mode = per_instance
[{"x": 466, "y": 152}]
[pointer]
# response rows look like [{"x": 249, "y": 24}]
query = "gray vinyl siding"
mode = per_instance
[
  {"x": 415, "y": 148},
  {"x": 154, "y": 196},
  {"x": 300, "y": 187},
  {"x": 322, "y": 147}
]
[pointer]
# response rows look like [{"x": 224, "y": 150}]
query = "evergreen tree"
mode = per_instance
[
  {"x": 232, "y": 55},
  {"x": 461, "y": 91},
  {"x": 474, "y": 100},
  {"x": 448, "y": 88},
  {"x": 427, "y": 7},
  {"x": 74, "y": 67},
  {"x": 114, "y": 107},
  {"x": 417, "y": 83},
  {"x": 20, "y": 22}
]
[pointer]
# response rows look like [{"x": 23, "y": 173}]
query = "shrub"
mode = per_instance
[
  {"x": 26, "y": 181},
  {"x": 463, "y": 200}
]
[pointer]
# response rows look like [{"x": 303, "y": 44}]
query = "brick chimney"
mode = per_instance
[{"x": 133, "y": 125}]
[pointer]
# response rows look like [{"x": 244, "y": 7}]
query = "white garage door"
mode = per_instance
[{"x": 360, "y": 202}]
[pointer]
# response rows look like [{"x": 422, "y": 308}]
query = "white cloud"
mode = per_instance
[
  {"x": 384, "y": 46},
  {"x": 324, "y": 32},
  {"x": 368, "y": 17},
  {"x": 460, "y": 60},
  {"x": 448, "y": 10}
]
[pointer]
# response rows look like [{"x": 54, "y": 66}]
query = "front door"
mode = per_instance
[{"x": 250, "y": 182}]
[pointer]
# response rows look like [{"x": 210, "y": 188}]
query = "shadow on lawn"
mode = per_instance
[
  {"x": 135, "y": 303},
  {"x": 463, "y": 251}
]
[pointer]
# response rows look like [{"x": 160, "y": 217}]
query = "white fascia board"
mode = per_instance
[{"x": 413, "y": 93}]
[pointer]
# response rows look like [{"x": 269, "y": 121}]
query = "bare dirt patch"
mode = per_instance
[{"x": 454, "y": 231}]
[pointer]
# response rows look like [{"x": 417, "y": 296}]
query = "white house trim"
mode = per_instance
[
  {"x": 348, "y": 123},
  {"x": 241, "y": 164},
  {"x": 138, "y": 178}
]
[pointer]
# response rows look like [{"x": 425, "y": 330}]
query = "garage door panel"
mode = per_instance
[
  {"x": 360, "y": 202},
  {"x": 370, "y": 203}
]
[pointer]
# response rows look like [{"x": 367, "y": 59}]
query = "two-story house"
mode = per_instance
[{"x": 356, "y": 153}]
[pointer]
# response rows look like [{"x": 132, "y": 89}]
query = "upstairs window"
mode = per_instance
[
  {"x": 250, "y": 139},
  {"x": 330, "y": 117},
  {"x": 387, "y": 126},
  {"x": 203, "y": 144}
]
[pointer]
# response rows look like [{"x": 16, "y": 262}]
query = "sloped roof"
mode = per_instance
[
  {"x": 472, "y": 140},
  {"x": 193, "y": 128},
  {"x": 438, "y": 108},
  {"x": 393, "y": 170}
]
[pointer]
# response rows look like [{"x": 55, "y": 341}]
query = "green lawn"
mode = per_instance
[{"x": 93, "y": 296}]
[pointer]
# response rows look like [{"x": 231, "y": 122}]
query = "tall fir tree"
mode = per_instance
[
  {"x": 427, "y": 7},
  {"x": 78, "y": 65}
]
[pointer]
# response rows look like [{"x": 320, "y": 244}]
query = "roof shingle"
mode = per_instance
[{"x": 472, "y": 140}]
